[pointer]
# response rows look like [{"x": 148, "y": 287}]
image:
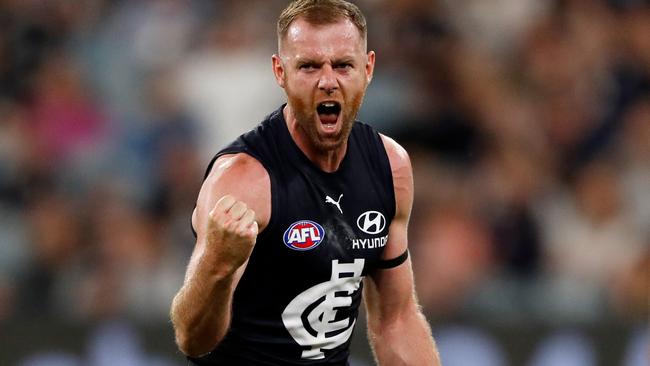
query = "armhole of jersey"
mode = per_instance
[
  {"x": 392, "y": 263},
  {"x": 274, "y": 201}
]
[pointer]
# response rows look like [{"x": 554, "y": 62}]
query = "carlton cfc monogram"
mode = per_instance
[{"x": 312, "y": 317}]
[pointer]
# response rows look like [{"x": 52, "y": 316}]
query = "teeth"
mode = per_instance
[{"x": 329, "y": 104}]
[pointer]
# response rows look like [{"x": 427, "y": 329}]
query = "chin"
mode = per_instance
[{"x": 326, "y": 144}]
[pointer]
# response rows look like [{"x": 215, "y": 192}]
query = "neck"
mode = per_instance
[{"x": 327, "y": 160}]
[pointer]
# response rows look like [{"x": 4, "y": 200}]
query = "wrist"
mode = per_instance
[{"x": 217, "y": 267}]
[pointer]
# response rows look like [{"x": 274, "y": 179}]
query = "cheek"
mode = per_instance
[
  {"x": 354, "y": 82},
  {"x": 302, "y": 80},
  {"x": 299, "y": 102},
  {"x": 300, "y": 89},
  {"x": 295, "y": 87},
  {"x": 355, "y": 88}
]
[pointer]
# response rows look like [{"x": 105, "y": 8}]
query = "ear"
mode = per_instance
[
  {"x": 278, "y": 70},
  {"x": 370, "y": 66}
]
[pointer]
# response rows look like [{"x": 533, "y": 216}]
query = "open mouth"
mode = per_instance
[{"x": 328, "y": 112}]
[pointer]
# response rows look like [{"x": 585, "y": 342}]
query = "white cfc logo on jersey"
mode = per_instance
[{"x": 309, "y": 318}]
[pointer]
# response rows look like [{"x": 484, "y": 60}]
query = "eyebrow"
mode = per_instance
[
  {"x": 337, "y": 61},
  {"x": 305, "y": 61},
  {"x": 343, "y": 60}
]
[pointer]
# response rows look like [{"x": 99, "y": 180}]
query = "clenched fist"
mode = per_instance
[{"x": 232, "y": 231}]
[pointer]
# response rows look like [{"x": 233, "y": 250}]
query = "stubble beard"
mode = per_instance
[{"x": 307, "y": 120}]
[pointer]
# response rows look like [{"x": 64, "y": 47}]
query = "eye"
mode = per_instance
[
  {"x": 343, "y": 66},
  {"x": 307, "y": 67}
]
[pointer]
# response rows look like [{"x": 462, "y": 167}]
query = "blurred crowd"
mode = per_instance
[{"x": 527, "y": 122}]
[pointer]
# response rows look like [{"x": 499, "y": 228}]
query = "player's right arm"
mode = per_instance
[{"x": 234, "y": 204}]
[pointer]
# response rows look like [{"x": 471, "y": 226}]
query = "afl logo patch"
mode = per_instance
[
  {"x": 371, "y": 222},
  {"x": 304, "y": 235}
]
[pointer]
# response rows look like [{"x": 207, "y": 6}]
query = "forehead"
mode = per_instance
[{"x": 313, "y": 40}]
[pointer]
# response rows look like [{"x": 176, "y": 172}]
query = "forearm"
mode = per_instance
[
  {"x": 405, "y": 340},
  {"x": 201, "y": 310}
]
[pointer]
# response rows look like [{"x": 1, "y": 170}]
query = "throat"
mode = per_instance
[{"x": 329, "y": 161}]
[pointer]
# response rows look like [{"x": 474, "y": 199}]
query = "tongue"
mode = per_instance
[{"x": 328, "y": 119}]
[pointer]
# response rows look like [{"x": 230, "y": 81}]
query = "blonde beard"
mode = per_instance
[{"x": 306, "y": 124}]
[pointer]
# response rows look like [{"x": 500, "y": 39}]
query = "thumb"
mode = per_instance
[{"x": 254, "y": 228}]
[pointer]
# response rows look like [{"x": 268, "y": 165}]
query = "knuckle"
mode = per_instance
[
  {"x": 241, "y": 233},
  {"x": 214, "y": 218},
  {"x": 225, "y": 201},
  {"x": 229, "y": 225}
]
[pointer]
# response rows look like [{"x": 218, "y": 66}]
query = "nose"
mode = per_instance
[{"x": 328, "y": 82}]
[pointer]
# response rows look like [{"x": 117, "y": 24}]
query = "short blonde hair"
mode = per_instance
[{"x": 321, "y": 12}]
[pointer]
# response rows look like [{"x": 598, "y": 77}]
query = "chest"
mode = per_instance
[{"x": 319, "y": 218}]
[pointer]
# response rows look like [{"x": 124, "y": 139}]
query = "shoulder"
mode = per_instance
[
  {"x": 400, "y": 162},
  {"x": 398, "y": 158},
  {"x": 236, "y": 164},
  {"x": 243, "y": 177},
  {"x": 400, "y": 165}
]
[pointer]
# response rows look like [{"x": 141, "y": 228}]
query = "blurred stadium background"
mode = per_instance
[{"x": 527, "y": 121}]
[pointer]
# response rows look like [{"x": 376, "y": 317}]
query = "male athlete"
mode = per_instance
[{"x": 301, "y": 215}]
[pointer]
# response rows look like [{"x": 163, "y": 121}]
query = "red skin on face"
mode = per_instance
[{"x": 322, "y": 63}]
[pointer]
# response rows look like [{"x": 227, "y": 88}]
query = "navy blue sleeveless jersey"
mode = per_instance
[{"x": 298, "y": 300}]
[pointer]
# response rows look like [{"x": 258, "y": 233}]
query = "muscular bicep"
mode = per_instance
[
  {"x": 389, "y": 291},
  {"x": 241, "y": 176},
  {"x": 403, "y": 186}
]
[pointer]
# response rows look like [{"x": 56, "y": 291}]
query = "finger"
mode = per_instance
[
  {"x": 254, "y": 229},
  {"x": 224, "y": 204},
  {"x": 237, "y": 210},
  {"x": 247, "y": 219}
]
